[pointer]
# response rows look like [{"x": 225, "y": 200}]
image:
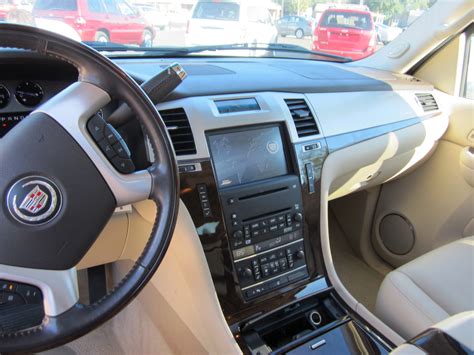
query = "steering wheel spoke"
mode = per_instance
[
  {"x": 72, "y": 108},
  {"x": 59, "y": 288}
]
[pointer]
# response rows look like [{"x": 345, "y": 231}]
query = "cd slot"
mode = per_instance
[
  {"x": 260, "y": 194},
  {"x": 284, "y": 210}
]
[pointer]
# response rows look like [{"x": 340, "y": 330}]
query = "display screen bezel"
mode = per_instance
[
  {"x": 284, "y": 140},
  {"x": 238, "y": 105}
]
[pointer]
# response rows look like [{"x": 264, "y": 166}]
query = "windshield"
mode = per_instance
[{"x": 337, "y": 30}]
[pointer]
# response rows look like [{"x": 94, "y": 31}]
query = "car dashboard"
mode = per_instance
[
  {"x": 261, "y": 144},
  {"x": 251, "y": 138}
]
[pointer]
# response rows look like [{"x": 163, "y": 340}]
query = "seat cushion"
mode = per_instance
[
  {"x": 428, "y": 289},
  {"x": 452, "y": 335}
]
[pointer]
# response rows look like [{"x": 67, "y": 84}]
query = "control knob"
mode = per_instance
[
  {"x": 299, "y": 254},
  {"x": 238, "y": 234},
  {"x": 246, "y": 272},
  {"x": 298, "y": 216}
]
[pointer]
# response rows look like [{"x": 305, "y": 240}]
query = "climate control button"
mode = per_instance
[{"x": 238, "y": 234}]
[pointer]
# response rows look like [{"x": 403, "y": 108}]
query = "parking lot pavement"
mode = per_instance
[
  {"x": 171, "y": 37},
  {"x": 303, "y": 42}
]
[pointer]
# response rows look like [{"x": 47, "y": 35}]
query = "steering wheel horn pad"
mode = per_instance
[
  {"x": 46, "y": 230},
  {"x": 86, "y": 202}
]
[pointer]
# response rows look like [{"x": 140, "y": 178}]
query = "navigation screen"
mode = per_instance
[{"x": 246, "y": 156}]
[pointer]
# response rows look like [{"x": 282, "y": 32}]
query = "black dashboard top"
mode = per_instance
[
  {"x": 217, "y": 76},
  {"x": 208, "y": 76}
]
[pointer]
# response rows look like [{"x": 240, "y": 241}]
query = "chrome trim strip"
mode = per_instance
[
  {"x": 72, "y": 108},
  {"x": 372, "y": 333},
  {"x": 197, "y": 166},
  {"x": 344, "y": 140},
  {"x": 59, "y": 287},
  {"x": 318, "y": 344},
  {"x": 272, "y": 278}
]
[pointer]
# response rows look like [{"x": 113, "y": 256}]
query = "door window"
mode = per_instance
[
  {"x": 95, "y": 6},
  {"x": 224, "y": 11},
  {"x": 111, "y": 7},
  {"x": 468, "y": 82},
  {"x": 347, "y": 20},
  {"x": 64, "y": 5},
  {"x": 125, "y": 9}
]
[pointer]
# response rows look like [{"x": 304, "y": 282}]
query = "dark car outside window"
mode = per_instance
[
  {"x": 347, "y": 20},
  {"x": 65, "y": 5},
  {"x": 217, "y": 11}
]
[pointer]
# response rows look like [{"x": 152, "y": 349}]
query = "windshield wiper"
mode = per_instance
[
  {"x": 107, "y": 46},
  {"x": 184, "y": 51}
]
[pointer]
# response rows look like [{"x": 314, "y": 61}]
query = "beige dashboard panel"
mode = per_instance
[
  {"x": 378, "y": 160},
  {"x": 367, "y": 164},
  {"x": 435, "y": 198},
  {"x": 444, "y": 69},
  {"x": 339, "y": 164},
  {"x": 109, "y": 245},
  {"x": 190, "y": 318},
  {"x": 180, "y": 299},
  {"x": 461, "y": 125}
]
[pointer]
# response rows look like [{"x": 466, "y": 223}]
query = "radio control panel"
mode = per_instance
[{"x": 264, "y": 223}]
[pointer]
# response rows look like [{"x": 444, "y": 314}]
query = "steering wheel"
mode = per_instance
[{"x": 51, "y": 155}]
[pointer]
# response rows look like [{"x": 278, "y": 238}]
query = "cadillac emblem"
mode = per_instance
[{"x": 34, "y": 200}]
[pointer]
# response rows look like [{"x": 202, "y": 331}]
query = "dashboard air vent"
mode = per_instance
[
  {"x": 304, "y": 121},
  {"x": 427, "y": 102},
  {"x": 179, "y": 130}
]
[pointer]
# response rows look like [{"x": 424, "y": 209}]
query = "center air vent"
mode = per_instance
[
  {"x": 179, "y": 130},
  {"x": 427, "y": 102},
  {"x": 304, "y": 121}
]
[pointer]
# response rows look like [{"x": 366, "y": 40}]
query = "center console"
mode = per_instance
[
  {"x": 264, "y": 223},
  {"x": 262, "y": 208},
  {"x": 255, "y": 205}
]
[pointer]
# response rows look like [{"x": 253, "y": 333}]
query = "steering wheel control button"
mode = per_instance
[
  {"x": 20, "y": 308},
  {"x": 111, "y": 144},
  {"x": 7, "y": 286},
  {"x": 19, "y": 293},
  {"x": 125, "y": 166},
  {"x": 30, "y": 294},
  {"x": 96, "y": 126},
  {"x": 12, "y": 299},
  {"x": 34, "y": 200},
  {"x": 121, "y": 149},
  {"x": 111, "y": 134},
  {"x": 107, "y": 149}
]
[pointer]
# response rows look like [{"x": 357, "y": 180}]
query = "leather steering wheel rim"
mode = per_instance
[{"x": 99, "y": 73}]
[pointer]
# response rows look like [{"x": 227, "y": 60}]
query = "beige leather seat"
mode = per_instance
[
  {"x": 428, "y": 289},
  {"x": 459, "y": 328}
]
